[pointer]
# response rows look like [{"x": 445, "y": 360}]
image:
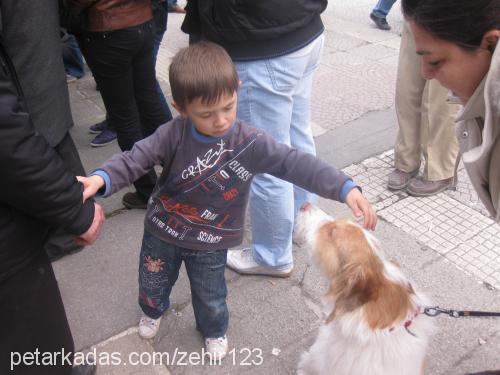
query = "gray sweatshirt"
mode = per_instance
[{"x": 200, "y": 198}]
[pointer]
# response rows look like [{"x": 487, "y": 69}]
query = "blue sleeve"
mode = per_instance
[
  {"x": 103, "y": 192},
  {"x": 346, "y": 188}
]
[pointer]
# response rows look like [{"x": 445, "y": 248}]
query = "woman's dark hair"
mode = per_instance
[
  {"x": 203, "y": 71},
  {"x": 462, "y": 22}
]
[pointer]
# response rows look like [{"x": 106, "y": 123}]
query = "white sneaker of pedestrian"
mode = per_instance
[
  {"x": 216, "y": 347},
  {"x": 298, "y": 240},
  {"x": 242, "y": 262},
  {"x": 148, "y": 327}
]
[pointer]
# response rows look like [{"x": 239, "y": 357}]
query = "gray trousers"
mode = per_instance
[{"x": 426, "y": 120}]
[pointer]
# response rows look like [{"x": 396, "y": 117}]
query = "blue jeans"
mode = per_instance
[
  {"x": 275, "y": 96},
  {"x": 159, "y": 266},
  {"x": 72, "y": 56},
  {"x": 383, "y": 7}
]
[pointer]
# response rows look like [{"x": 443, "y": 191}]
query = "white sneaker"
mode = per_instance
[
  {"x": 298, "y": 239},
  {"x": 216, "y": 347},
  {"x": 242, "y": 262},
  {"x": 148, "y": 327}
]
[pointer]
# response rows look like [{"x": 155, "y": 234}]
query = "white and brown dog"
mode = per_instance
[{"x": 374, "y": 318}]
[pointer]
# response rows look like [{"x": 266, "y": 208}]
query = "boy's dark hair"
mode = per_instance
[
  {"x": 203, "y": 70},
  {"x": 462, "y": 22}
]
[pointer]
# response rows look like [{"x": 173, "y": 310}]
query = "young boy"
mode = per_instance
[{"x": 196, "y": 210}]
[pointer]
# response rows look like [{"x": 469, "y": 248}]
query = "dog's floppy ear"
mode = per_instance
[{"x": 355, "y": 286}]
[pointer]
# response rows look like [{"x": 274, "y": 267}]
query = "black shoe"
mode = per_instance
[
  {"x": 84, "y": 370},
  {"x": 134, "y": 200},
  {"x": 381, "y": 22},
  {"x": 99, "y": 127},
  {"x": 104, "y": 138}
]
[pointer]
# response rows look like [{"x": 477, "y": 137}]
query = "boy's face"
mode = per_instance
[{"x": 213, "y": 120}]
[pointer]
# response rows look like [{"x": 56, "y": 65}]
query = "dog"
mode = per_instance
[{"x": 375, "y": 323}]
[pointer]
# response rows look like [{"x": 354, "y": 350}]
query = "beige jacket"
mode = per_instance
[{"x": 478, "y": 133}]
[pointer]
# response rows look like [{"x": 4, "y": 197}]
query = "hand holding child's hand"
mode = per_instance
[
  {"x": 91, "y": 185},
  {"x": 360, "y": 206},
  {"x": 90, "y": 236}
]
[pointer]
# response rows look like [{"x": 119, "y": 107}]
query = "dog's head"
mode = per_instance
[{"x": 360, "y": 277}]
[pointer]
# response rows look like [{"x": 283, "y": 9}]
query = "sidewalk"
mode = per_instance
[{"x": 446, "y": 244}]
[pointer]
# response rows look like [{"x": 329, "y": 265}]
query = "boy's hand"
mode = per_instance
[
  {"x": 91, "y": 185},
  {"x": 360, "y": 206}
]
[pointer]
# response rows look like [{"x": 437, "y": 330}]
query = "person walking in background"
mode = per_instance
[
  {"x": 426, "y": 128},
  {"x": 380, "y": 12},
  {"x": 72, "y": 57},
  {"x": 458, "y": 44},
  {"x": 105, "y": 135},
  {"x": 118, "y": 44},
  {"x": 276, "y": 54},
  {"x": 31, "y": 36}
]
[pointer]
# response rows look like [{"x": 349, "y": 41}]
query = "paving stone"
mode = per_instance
[
  {"x": 332, "y": 58},
  {"x": 391, "y": 61},
  {"x": 173, "y": 40},
  {"x": 446, "y": 215},
  {"x": 465, "y": 193},
  {"x": 135, "y": 356},
  {"x": 374, "y": 51},
  {"x": 86, "y": 110},
  {"x": 249, "y": 297},
  {"x": 480, "y": 255},
  {"x": 371, "y": 175},
  {"x": 393, "y": 43},
  {"x": 341, "y": 42}
]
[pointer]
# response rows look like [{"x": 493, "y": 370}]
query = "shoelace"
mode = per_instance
[
  {"x": 148, "y": 321},
  {"x": 220, "y": 340}
]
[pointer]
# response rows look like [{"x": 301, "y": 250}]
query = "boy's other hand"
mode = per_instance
[
  {"x": 361, "y": 207},
  {"x": 91, "y": 185}
]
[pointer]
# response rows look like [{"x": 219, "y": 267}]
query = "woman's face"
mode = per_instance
[{"x": 454, "y": 67}]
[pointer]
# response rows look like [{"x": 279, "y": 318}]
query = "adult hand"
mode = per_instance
[{"x": 90, "y": 236}]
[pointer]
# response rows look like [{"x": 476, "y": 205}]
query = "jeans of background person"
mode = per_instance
[
  {"x": 383, "y": 7},
  {"x": 72, "y": 56},
  {"x": 160, "y": 18},
  {"x": 275, "y": 95},
  {"x": 34, "y": 318},
  {"x": 123, "y": 67},
  {"x": 171, "y": 3},
  {"x": 159, "y": 265}
]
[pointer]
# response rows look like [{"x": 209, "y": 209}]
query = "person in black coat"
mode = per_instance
[
  {"x": 31, "y": 35},
  {"x": 37, "y": 193}
]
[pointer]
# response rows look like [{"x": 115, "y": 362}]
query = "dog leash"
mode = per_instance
[{"x": 436, "y": 310}]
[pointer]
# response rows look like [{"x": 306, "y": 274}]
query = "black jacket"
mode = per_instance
[
  {"x": 256, "y": 29},
  {"x": 32, "y": 40},
  {"x": 36, "y": 191}
]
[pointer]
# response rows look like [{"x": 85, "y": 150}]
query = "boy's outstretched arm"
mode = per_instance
[
  {"x": 91, "y": 185},
  {"x": 361, "y": 207}
]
